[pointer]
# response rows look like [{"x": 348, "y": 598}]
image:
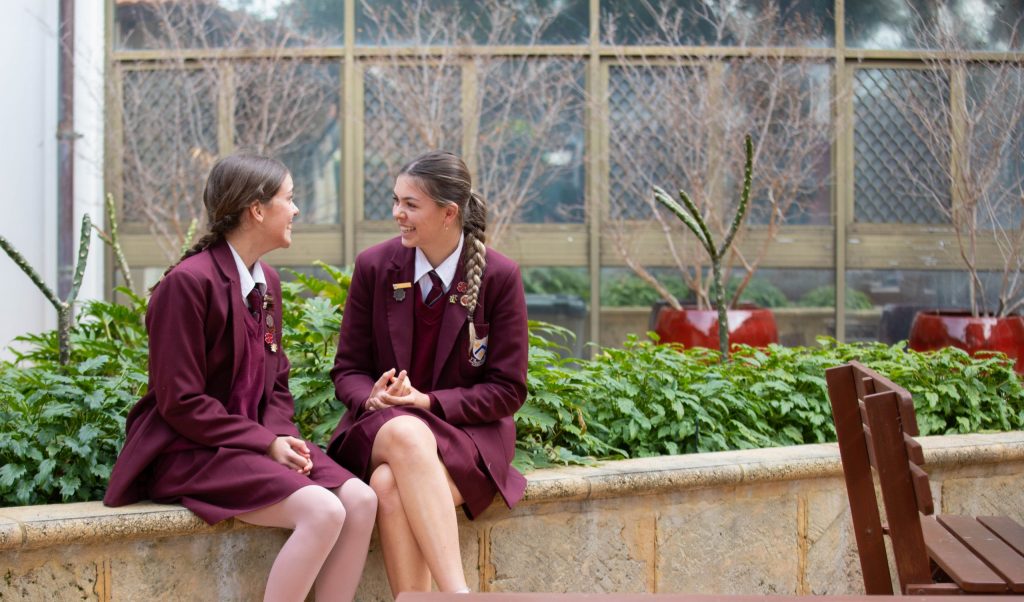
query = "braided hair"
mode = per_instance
[
  {"x": 445, "y": 178},
  {"x": 233, "y": 184}
]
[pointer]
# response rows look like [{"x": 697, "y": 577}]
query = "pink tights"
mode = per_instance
[{"x": 329, "y": 541}]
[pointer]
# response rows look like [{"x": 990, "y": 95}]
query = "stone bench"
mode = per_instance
[{"x": 771, "y": 521}]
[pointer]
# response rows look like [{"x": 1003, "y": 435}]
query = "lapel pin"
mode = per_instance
[
  {"x": 453, "y": 299},
  {"x": 399, "y": 290},
  {"x": 461, "y": 287},
  {"x": 464, "y": 300}
]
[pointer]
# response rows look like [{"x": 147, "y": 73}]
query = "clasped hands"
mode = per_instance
[
  {"x": 291, "y": 452},
  {"x": 391, "y": 390}
]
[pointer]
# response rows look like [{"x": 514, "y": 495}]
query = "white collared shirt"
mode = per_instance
[
  {"x": 247, "y": 279},
  {"x": 446, "y": 270}
]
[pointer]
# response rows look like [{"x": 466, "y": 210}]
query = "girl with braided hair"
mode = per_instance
[
  {"x": 214, "y": 432},
  {"x": 431, "y": 364}
]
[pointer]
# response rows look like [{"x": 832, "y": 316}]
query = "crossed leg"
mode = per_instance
[
  {"x": 416, "y": 516},
  {"x": 317, "y": 516}
]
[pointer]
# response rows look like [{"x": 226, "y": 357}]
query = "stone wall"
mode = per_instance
[{"x": 769, "y": 521}]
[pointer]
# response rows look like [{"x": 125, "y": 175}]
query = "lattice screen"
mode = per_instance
[
  {"x": 290, "y": 110},
  {"x": 408, "y": 110},
  {"x": 170, "y": 143},
  {"x": 641, "y": 136},
  {"x": 897, "y": 174}
]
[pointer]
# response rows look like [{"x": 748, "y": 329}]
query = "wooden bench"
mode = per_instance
[{"x": 944, "y": 554}]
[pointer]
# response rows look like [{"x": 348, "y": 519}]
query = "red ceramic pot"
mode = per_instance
[
  {"x": 748, "y": 325},
  {"x": 937, "y": 329}
]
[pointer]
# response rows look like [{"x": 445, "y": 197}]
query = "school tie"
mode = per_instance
[
  {"x": 255, "y": 300},
  {"x": 436, "y": 290}
]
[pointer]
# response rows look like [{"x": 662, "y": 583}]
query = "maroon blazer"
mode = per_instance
[
  {"x": 376, "y": 335},
  {"x": 195, "y": 321}
]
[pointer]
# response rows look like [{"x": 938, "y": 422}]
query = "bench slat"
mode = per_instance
[
  {"x": 1003, "y": 559},
  {"x": 957, "y": 561},
  {"x": 914, "y": 450},
  {"x": 1007, "y": 529},
  {"x": 921, "y": 489}
]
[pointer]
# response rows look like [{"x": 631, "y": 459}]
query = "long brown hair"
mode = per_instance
[
  {"x": 233, "y": 184},
  {"x": 445, "y": 178}
]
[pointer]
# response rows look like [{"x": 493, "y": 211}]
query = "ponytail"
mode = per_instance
[{"x": 215, "y": 235}]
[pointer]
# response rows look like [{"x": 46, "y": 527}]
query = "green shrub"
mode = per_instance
[
  {"x": 311, "y": 316},
  {"x": 557, "y": 280},
  {"x": 825, "y": 296},
  {"x": 62, "y": 426},
  {"x": 648, "y": 399},
  {"x": 758, "y": 291},
  {"x": 631, "y": 291}
]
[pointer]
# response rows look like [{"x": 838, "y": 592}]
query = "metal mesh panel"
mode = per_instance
[
  {"x": 530, "y": 144},
  {"x": 995, "y": 127},
  {"x": 640, "y": 137},
  {"x": 289, "y": 110},
  {"x": 407, "y": 111},
  {"x": 170, "y": 143},
  {"x": 897, "y": 174}
]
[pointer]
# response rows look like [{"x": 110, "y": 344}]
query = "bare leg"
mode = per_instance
[
  {"x": 428, "y": 498},
  {"x": 316, "y": 517},
  {"x": 407, "y": 570},
  {"x": 343, "y": 568}
]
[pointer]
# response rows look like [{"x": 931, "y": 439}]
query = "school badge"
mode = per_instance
[
  {"x": 399, "y": 290},
  {"x": 477, "y": 347}
]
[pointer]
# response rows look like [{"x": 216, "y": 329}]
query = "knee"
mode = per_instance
[
  {"x": 326, "y": 516},
  {"x": 406, "y": 437},
  {"x": 359, "y": 500},
  {"x": 383, "y": 484}
]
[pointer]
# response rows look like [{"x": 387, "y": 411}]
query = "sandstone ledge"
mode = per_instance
[{"x": 32, "y": 527}]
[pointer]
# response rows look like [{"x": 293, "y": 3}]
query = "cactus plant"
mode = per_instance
[{"x": 691, "y": 217}]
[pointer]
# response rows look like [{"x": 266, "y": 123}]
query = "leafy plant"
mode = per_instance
[
  {"x": 757, "y": 290},
  {"x": 311, "y": 317},
  {"x": 825, "y": 296},
  {"x": 557, "y": 280},
  {"x": 630, "y": 290},
  {"x": 551, "y": 427},
  {"x": 61, "y": 426},
  {"x": 685, "y": 400}
]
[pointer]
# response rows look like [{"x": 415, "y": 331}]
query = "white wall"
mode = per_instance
[{"x": 28, "y": 153}]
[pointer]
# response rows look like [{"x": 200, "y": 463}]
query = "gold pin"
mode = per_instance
[{"x": 453, "y": 299}]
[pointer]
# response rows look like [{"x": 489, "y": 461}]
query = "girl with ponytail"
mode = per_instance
[
  {"x": 214, "y": 432},
  {"x": 431, "y": 363}
]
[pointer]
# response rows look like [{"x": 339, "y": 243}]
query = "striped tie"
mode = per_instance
[
  {"x": 436, "y": 289},
  {"x": 255, "y": 300}
]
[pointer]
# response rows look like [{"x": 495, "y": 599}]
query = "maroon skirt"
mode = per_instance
[
  {"x": 457, "y": 450},
  {"x": 218, "y": 483}
]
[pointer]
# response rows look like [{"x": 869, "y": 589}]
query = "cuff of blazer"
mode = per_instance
[{"x": 435, "y": 406}]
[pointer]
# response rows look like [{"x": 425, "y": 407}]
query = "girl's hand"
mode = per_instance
[
  {"x": 388, "y": 384},
  {"x": 291, "y": 452},
  {"x": 373, "y": 401},
  {"x": 399, "y": 385},
  {"x": 412, "y": 397}
]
